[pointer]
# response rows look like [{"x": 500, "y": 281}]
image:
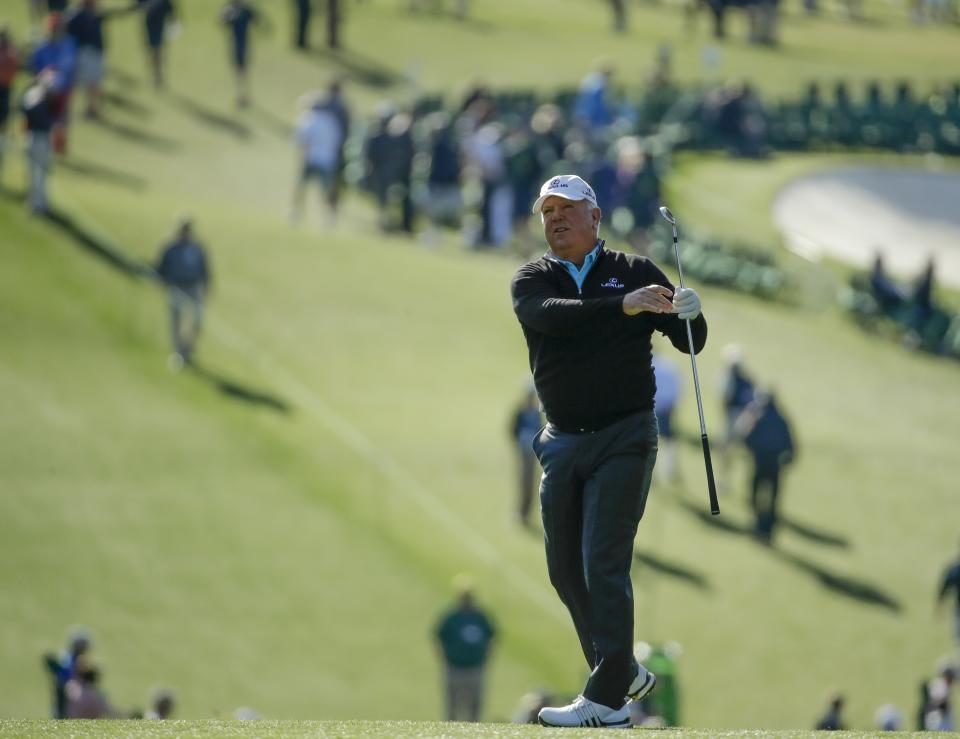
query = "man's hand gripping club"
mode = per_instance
[{"x": 657, "y": 299}]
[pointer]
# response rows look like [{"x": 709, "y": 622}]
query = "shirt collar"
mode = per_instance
[{"x": 587, "y": 261}]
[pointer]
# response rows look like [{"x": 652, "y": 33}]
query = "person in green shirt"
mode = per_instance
[{"x": 464, "y": 635}]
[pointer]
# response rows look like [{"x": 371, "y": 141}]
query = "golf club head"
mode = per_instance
[{"x": 667, "y": 215}]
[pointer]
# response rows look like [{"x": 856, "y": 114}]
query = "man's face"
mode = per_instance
[{"x": 569, "y": 225}]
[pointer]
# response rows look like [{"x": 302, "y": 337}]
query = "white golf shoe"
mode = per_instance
[
  {"x": 583, "y": 712},
  {"x": 642, "y": 684}
]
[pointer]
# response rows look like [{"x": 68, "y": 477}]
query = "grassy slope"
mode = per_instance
[{"x": 283, "y": 561}]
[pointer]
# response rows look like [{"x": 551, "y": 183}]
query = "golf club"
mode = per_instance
[{"x": 711, "y": 484}]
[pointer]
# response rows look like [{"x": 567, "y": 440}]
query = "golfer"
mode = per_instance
[{"x": 588, "y": 315}]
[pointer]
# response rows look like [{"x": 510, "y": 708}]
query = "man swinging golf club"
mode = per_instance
[{"x": 588, "y": 315}]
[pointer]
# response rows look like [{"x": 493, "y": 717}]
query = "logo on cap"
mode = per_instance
[{"x": 557, "y": 183}]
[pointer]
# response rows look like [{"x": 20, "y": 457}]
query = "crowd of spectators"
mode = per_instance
[
  {"x": 76, "y": 691},
  {"x": 908, "y": 312}
]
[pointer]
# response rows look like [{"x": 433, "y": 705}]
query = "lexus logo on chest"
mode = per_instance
[{"x": 613, "y": 282}]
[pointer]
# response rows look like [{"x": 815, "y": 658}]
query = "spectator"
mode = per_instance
[
  {"x": 465, "y": 636},
  {"x": 951, "y": 581},
  {"x": 938, "y": 713},
  {"x": 239, "y": 16},
  {"x": 301, "y": 34},
  {"x": 922, "y": 298},
  {"x": 485, "y": 157},
  {"x": 443, "y": 178},
  {"x": 338, "y": 106},
  {"x": 737, "y": 391},
  {"x": 738, "y": 387},
  {"x": 163, "y": 704},
  {"x": 9, "y": 65},
  {"x": 390, "y": 156},
  {"x": 57, "y": 53},
  {"x": 183, "y": 269},
  {"x": 85, "y": 699},
  {"x": 85, "y": 26},
  {"x": 767, "y": 436},
  {"x": 37, "y": 106},
  {"x": 64, "y": 667},
  {"x": 832, "y": 719},
  {"x": 527, "y": 421},
  {"x": 667, "y": 377},
  {"x": 888, "y": 294},
  {"x": 592, "y": 108},
  {"x": 157, "y": 14},
  {"x": 635, "y": 188},
  {"x": 320, "y": 135},
  {"x": 888, "y": 718}
]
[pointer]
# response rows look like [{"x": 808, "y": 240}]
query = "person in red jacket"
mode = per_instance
[{"x": 9, "y": 66}]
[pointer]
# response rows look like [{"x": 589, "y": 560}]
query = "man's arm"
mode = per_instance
[
  {"x": 539, "y": 306},
  {"x": 672, "y": 326}
]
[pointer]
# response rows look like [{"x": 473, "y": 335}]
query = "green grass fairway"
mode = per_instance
[
  {"x": 280, "y": 529},
  {"x": 359, "y": 730}
]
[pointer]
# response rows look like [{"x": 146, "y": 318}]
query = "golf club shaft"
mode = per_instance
[{"x": 711, "y": 483}]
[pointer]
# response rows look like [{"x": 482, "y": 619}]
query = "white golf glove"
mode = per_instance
[{"x": 686, "y": 303}]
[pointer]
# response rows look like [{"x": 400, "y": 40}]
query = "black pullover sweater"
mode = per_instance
[{"x": 591, "y": 362}]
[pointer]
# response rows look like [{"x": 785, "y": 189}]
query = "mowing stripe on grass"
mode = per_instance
[{"x": 354, "y": 439}]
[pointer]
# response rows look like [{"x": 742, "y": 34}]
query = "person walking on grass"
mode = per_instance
[
  {"x": 238, "y": 16},
  {"x": 183, "y": 269},
  {"x": 85, "y": 26},
  {"x": 766, "y": 433},
  {"x": 158, "y": 17},
  {"x": 320, "y": 135},
  {"x": 588, "y": 315}
]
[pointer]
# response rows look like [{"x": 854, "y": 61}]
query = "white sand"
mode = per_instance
[{"x": 907, "y": 215}]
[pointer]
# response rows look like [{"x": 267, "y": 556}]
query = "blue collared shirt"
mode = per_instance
[{"x": 579, "y": 274}]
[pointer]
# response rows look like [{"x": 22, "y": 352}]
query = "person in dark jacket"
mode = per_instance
[
  {"x": 951, "y": 582},
  {"x": 37, "y": 106},
  {"x": 832, "y": 720},
  {"x": 183, "y": 269},
  {"x": 301, "y": 32},
  {"x": 766, "y": 434},
  {"x": 464, "y": 636},
  {"x": 526, "y": 424},
  {"x": 157, "y": 17},
  {"x": 588, "y": 316}
]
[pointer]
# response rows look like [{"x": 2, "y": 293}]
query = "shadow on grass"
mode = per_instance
[
  {"x": 239, "y": 391},
  {"x": 850, "y": 587},
  {"x": 136, "y": 269},
  {"x": 672, "y": 569},
  {"x": 720, "y": 522},
  {"x": 128, "y": 105},
  {"x": 213, "y": 119},
  {"x": 98, "y": 246},
  {"x": 138, "y": 135},
  {"x": 277, "y": 125},
  {"x": 124, "y": 78},
  {"x": 98, "y": 171},
  {"x": 358, "y": 68},
  {"x": 818, "y": 536}
]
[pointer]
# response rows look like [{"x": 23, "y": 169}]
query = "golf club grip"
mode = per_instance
[{"x": 711, "y": 483}]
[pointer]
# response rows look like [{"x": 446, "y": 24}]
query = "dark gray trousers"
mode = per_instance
[{"x": 592, "y": 495}]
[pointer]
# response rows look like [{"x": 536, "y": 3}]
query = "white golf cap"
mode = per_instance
[{"x": 567, "y": 186}]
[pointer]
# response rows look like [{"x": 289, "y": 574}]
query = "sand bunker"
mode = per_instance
[{"x": 907, "y": 215}]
